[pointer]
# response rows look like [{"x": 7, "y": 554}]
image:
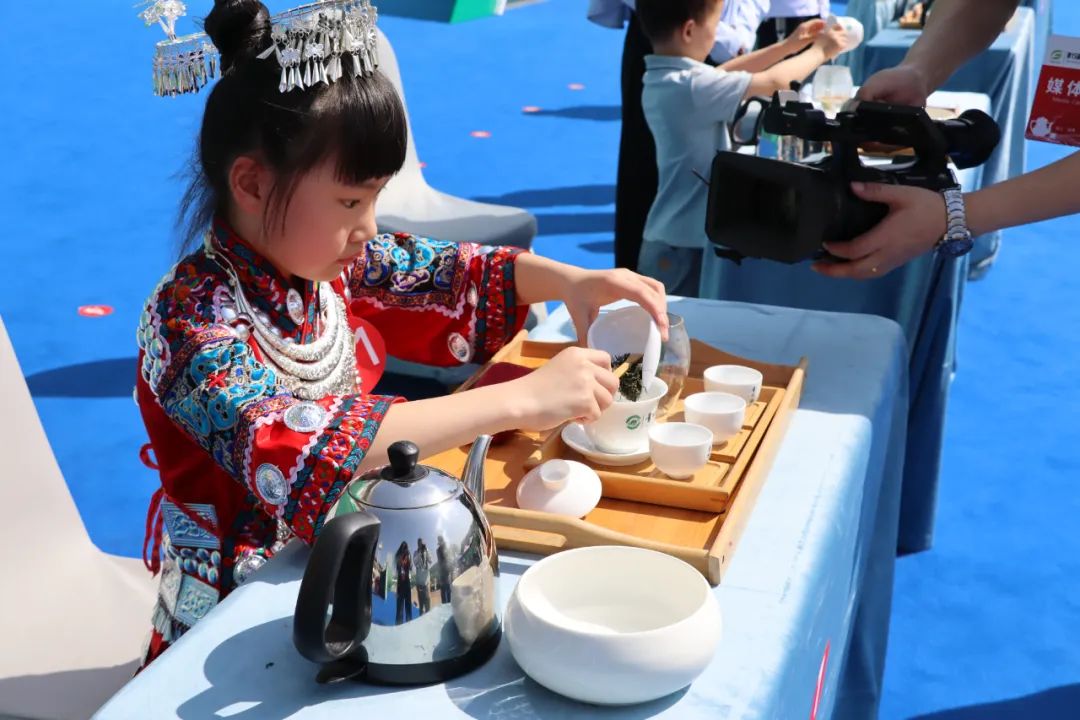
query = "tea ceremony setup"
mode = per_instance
[{"x": 540, "y": 359}]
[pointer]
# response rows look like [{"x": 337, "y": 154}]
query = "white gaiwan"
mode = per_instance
[
  {"x": 613, "y": 625},
  {"x": 560, "y": 487},
  {"x": 628, "y": 331}
]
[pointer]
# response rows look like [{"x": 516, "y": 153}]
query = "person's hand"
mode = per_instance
[
  {"x": 901, "y": 85},
  {"x": 916, "y": 221},
  {"x": 577, "y": 384},
  {"x": 586, "y": 291},
  {"x": 804, "y": 34},
  {"x": 832, "y": 40}
]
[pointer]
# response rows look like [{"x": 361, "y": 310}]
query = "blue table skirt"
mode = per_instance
[{"x": 813, "y": 570}]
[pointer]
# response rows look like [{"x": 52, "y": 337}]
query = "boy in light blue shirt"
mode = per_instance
[{"x": 688, "y": 106}]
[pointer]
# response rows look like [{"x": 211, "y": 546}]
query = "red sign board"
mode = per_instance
[{"x": 1055, "y": 114}]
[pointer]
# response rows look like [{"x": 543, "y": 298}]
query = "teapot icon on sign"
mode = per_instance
[{"x": 1041, "y": 127}]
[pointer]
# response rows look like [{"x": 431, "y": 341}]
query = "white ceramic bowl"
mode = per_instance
[
  {"x": 735, "y": 379},
  {"x": 680, "y": 449},
  {"x": 721, "y": 412},
  {"x": 613, "y": 625},
  {"x": 624, "y": 426},
  {"x": 625, "y": 331}
]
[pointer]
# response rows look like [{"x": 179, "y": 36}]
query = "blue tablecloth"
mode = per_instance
[
  {"x": 874, "y": 15},
  {"x": 923, "y": 296},
  {"x": 1005, "y": 72},
  {"x": 813, "y": 570}
]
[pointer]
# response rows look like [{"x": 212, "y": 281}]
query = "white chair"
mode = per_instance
[
  {"x": 409, "y": 204},
  {"x": 72, "y": 619}
]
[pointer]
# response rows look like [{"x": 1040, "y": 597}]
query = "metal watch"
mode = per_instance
[{"x": 957, "y": 239}]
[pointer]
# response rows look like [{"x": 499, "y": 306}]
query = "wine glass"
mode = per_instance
[{"x": 674, "y": 362}]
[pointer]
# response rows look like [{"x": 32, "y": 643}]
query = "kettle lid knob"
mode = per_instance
[{"x": 403, "y": 458}]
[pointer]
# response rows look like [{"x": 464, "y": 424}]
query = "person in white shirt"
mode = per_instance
[
  {"x": 688, "y": 106},
  {"x": 636, "y": 181},
  {"x": 783, "y": 16}
]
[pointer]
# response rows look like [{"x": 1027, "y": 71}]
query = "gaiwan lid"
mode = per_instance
[
  {"x": 560, "y": 487},
  {"x": 404, "y": 484}
]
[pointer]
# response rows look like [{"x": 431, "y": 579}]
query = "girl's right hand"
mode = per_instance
[
  {"x": 832, "y": 40},
  {"x": 577, "y": 384}
]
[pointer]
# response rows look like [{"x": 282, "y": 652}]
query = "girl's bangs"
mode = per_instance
[{"x": 360, "y": 123}]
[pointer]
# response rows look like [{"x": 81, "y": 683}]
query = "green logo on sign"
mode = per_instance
[
  {"x": 1056, "y": 55},
  {"x": 633, "y": 422}
]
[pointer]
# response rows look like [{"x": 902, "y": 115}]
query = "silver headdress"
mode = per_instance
[
  {"x": 181, "y": 64},
  {"x": 315, "y": 43}
]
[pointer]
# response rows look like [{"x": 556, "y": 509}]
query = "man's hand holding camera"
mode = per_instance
[{"x": 915, "y": 223}]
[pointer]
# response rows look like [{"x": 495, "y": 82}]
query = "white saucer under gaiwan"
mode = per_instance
[{"x": 560, "y": 487}]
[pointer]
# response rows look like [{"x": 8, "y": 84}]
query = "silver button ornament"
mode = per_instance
[
  {"x": 246, "y": 567},
  {"x": 305, "y": 417},
  {"x": 271, "y": 484},
  {"x": 459, "y": 347},
  {"x": 295, "y": 305}
]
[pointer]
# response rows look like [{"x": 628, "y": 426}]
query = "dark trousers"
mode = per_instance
[
  {"x": 637, "y": 178},
  {"x": 774, "y": 30},
  {"x": 635, "y": 185},
  {"x": 404, "y": 602},
  {"x": 423, "y": 598},
  {"x": 444, "y": 588}
]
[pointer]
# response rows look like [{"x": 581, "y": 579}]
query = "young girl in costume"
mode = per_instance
[{"x": 255, "y": 350}]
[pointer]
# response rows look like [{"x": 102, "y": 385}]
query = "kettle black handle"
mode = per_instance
[{"x": 338, "y": 572}]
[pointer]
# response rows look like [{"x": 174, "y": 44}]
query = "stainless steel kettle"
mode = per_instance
[{"x": 400, "y": 584}]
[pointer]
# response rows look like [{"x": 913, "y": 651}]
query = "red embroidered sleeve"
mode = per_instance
[{"x": 437, "y": 302}]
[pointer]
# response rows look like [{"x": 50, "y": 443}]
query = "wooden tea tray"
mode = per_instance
[
  {"x": 709, "y": 489},
  {"x": 698, "y": 520}
]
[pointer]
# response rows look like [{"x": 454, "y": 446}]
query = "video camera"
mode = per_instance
[{"x": 777, "y": 210}]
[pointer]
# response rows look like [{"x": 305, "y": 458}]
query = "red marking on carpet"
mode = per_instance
[{"x": 95, "y": 310}]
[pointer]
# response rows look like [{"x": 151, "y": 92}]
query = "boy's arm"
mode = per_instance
[
  {"x": 781, "y": 75},
  {"x": 761, "y": 60},
  {"x": 828, "y": 44}
]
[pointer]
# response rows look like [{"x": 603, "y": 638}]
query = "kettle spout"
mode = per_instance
[{"x": 473, "y": 476}]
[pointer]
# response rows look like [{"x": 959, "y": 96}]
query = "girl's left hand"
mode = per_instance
[
  {"x": 588, "y": 290},
  {"x": 916, "y": 221}
]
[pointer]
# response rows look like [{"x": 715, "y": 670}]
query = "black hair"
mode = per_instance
[
  {"x": 660, "y": 18},
  {"x": 357, "y": 122}
]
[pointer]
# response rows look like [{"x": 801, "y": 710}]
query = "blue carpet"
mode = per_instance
[{"x": 984, "y": 624}]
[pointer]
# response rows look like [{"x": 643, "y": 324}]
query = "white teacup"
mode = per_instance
[
  {"x": 723, "y": 413},
  {"x": 735, "y": 379},
  {"x": 680, "y": 449},
  {"x": 624, "y": 426}
]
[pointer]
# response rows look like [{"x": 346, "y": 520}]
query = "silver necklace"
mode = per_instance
[{"x": 311, "y": 371}]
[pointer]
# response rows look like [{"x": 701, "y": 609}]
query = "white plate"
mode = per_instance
[{"x": 574, "y": 436}]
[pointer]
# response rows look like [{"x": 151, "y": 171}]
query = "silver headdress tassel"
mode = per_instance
[
  {"x": 181, "y": 65},
  {"x": 315, "y": 43},
  {"x": 319, "y": 43}
]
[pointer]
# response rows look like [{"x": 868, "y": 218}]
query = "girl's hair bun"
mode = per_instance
[{"x": 239, "y": 29}]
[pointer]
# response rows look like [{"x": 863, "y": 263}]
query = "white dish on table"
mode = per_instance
[
  {"x": 624, "y": 425},
  {"x": 560, "y": 487},
  {"x": 738, "y": 380},
  {"x": 680, "y": 449},
  {"x": 575, "y": 437},
  {"x": 613, "y": 625},
  {"x": 721, "y": 412}
]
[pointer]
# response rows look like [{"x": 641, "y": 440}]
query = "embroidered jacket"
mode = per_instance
[{"x": 245, "y": 465}]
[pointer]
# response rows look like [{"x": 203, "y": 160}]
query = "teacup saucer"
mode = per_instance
[{"x": 576, "y": 438}]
